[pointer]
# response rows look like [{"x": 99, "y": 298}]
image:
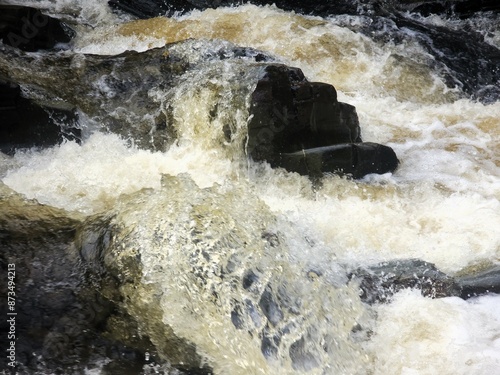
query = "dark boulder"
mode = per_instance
[
  {"x": 289, "y": 113},
  {"x": 302, "y": 127},
  {"x": 29, "y": 30},
  {"x": 380, "y": 282},
  {"x": 25, "y": 124}
]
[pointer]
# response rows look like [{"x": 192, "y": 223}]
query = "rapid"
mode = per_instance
[{"x": 441, "y": 205}]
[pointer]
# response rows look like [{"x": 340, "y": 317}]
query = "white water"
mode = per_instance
[{"x": 441, "y": 205}]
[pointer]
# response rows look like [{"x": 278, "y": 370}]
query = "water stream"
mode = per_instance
[{"x": 441, "y": 205}]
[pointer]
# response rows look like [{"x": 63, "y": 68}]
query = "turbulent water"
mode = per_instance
[{"x": 441, "y": 205}]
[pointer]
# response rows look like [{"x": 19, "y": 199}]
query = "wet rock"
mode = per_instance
[
  {"x": 25, "y": 124},
  {"x": 450, "y": 8},
  {"x": 37, "y": 247},
  {"x": 353, "y": 159},
  {"x": 287, "y": 113},
  {"x": 302, "y": 127},
  {"x": 462, "y": 57},
  {"x": 115, "y": 283},
  {"x": 461, "y": 8},
  {"x": 29, "y": 30},
  {"x": 155, "y": 8},
  {"x": 380, "y": 282},
  {"x": 100, "y": 85},
  {"x": 481, "y": 282},
  {"x": 62, "y": 319}
]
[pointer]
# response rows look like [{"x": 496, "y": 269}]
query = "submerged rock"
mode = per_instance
[
  {"x": 62, "y": 320},
  {"x": 194, "y": 267},
  {"x": 380, "y": 282}
]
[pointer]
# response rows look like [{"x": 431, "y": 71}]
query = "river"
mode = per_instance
[{"x": 441, "y": 205}]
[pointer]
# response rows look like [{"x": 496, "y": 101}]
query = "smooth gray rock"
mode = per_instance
[
  {"x": 481, "y": 282},
  {"x": 378, "y": 283}
]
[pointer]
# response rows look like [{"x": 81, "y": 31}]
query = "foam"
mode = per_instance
[
  {"x": 417, "y": 335},
  {"x": 89, "y": 178},
  {"x": 441, "y": 205},
  {"x": 370, "y": 222}
]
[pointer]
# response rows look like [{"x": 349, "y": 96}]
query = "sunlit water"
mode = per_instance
[{"x": 441, "y": 205}]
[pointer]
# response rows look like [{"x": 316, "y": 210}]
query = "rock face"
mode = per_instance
[
  {"x": 25, "y": 124},
  {"x": 51, "y": 319},
  {"x": 29, "y": 30},
  {"x": 100, "y": 85},
  {"x": 63, "y": 322},
  {"x": 302, "y": 127},
  {"x": 380, "y": 282}
]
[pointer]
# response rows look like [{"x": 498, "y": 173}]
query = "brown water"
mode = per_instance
[{"x": 441, "y": 205}]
